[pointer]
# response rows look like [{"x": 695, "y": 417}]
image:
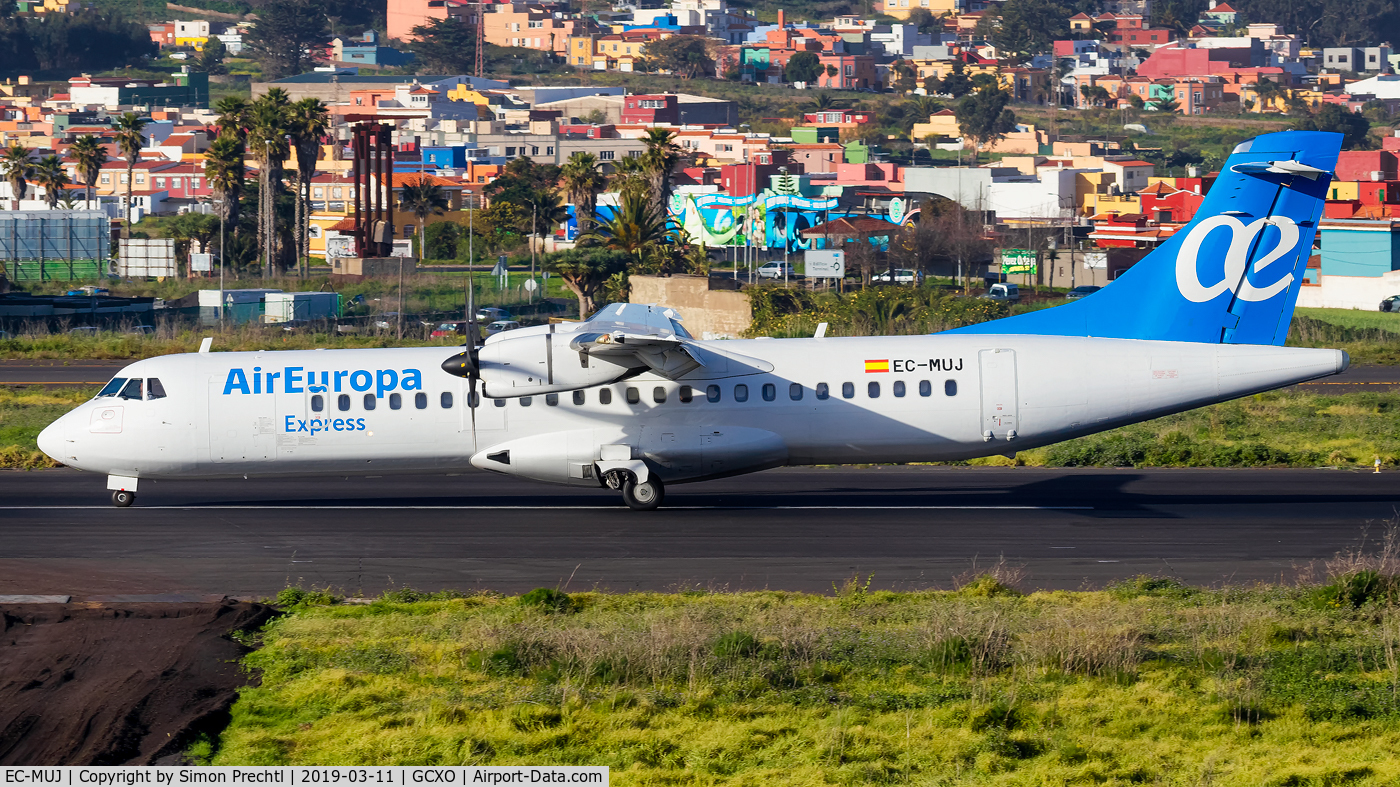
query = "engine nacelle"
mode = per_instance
[{"x": 544, "y": 363}]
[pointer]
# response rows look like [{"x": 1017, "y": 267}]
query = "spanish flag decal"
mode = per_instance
[{"x": 877, "y": 366}]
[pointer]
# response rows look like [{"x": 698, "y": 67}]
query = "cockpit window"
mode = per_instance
[
  {"x": 154, "y": 390},
  {"x": 132, "y": 389},
  {"x": 111, "y": 388}
]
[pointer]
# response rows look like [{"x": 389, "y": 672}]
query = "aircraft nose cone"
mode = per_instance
[
  {"x": 459, "y": 365},
  {"x": 51, "y": 440}
]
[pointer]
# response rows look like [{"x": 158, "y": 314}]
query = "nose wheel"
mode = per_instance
[
  {"x": 122, "y": 498},
  {"x": 644, "y": 496}
]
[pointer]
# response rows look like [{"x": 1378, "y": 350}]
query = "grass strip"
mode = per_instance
[{"x": 1148, "y": 681}]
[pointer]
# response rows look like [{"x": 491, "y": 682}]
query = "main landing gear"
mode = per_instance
[
  {"x": 122, "y": 498},
  {"x": 638, "y": 495}
]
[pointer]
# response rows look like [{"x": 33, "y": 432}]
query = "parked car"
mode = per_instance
[
  {"x": 1391, "y": 304},
  {"x": 901, "y": 276},
  {"x": 491, "y": 314},
  {"x": 1009, "y": 293},
  {"x": 1081, "y": 291},
  {"x": 776, "y": 270},
  {"x": 457, "y": 329},
  {"x": 501, "y": 326}
]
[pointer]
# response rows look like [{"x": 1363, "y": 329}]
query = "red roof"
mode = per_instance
[{"x": 1223, "y": 8}]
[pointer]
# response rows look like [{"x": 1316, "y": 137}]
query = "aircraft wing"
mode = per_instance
[{"x": 663, "y": 353}]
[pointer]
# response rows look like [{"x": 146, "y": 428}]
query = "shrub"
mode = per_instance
[
  {"x": 1144, "y": 585},
  {"x": 736, "y": 644},
  {"x": 549, "y": 600},
  {"x": 301, "y": 597}
]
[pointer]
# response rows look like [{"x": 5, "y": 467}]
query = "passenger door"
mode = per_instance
[{"x": 998, "y": 373}]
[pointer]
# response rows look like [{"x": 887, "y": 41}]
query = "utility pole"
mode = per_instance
[{"x": 534, "y": 236}]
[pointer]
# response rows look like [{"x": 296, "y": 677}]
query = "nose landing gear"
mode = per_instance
[
  {"x": 638, "y": 495},
  {"x": 122, "y": 498}
]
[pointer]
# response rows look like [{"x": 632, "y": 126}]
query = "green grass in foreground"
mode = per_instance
[
  {"x": 24, "y": 412},
  {"x": 1149, "y": 682}
]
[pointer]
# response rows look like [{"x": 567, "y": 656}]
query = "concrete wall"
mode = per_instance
[
  {"x": 1351, "y": 292},
  {"x": 706, "y": 313}
]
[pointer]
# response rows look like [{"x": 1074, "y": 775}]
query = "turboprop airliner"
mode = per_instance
[{"x": 628, "y": 400}]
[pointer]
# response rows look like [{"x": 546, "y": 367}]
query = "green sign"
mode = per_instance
[{"x": 1018, "y": 261}]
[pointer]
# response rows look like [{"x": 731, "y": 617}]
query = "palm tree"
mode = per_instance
[
  {"x": 129, "y": 142},
  {"x": 233, "y": 116},
  {"x": 635, "y": 228},
  {"x": 50, "y": 174},
  {"x": 17, "y": 169},
  {"x": 629, "y": 176},
  {"x": 661, "y": 156},
  {"x": 582, "y": 182},
  {"x": 824, "y": 102},
  {"x": 225, "y": 171},
  {"x": 423, "y": 198},
  {"x": 89, "y": 156},
  {"x": 267, "y": 139},
  {"x": 308, "y": 123}
]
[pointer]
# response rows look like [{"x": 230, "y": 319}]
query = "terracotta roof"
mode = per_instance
[
  {"x": 401, "y": 179},
  {"x": 1133, "y": 163},
  {"x": 1223, "y": 8},
  {"x": 344, "y": 225},
  {"x": 1158, "y": 188}
]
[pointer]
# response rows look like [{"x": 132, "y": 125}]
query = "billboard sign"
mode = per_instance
[
  {"x": 1018, "y": 261},
  {"x": 826, "y": 264},
  {"x": 140, "y": 258},
  {"x": 201, "y": 263}
]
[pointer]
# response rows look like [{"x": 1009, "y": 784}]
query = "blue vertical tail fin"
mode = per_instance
[{"x": 1232, "y": 275}]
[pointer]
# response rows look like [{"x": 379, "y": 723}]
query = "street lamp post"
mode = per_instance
[{"x": 787, "y": 229}]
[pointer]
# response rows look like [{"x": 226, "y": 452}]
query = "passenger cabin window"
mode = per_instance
[
  {"x": 770, "y": 392},
  {"x": 473, "y": 399},
  {"x": 712, "y": 393},
  {"x": 551, "y": 399},
  {"x": 950, "y": 387},
  {"x": 318, "y": 403},
  {"x": 898, "y": 387},
  {"x": 154, "y": 390},
  {"x": 873, "y": 390},
  {"x": 446, "y": 400},
  {"x": 112, "y": 387},
  {"x": 925, "y": 389},
  {"x": 686, "y": 394},
  {"x": 526, "y": 401},
  {"x": 848, "y": 390},
  {"x": 795, "y": 392},
  {"x": 498, "y": 402},
  {"x": 343, "y": 402},
  {"x": 395, "y": 401},
  {"x": 420, "y": 400},
  {"x": 741, "y": 393},
  {"x": 658, "y": 395},
  {"x": 605, "y": 396},
  {"x": 132, "y": 389},
  {"x": 823, "y": 391},
  {"x": 369, "y": 401},
  {"x": 633, "y": 395},
  {"x": 579, "y": 397}
]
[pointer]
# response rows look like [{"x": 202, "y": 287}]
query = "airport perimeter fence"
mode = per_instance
[{"x": 54, "y": 245}]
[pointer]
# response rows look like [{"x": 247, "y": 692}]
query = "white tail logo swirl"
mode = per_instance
[{"x": 1188, "y": 279}]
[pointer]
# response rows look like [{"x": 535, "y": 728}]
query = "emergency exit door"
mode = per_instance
[{"x": 998, "y": 370}]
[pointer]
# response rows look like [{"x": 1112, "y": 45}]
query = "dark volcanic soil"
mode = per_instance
[{"x": 111, "y": 684}]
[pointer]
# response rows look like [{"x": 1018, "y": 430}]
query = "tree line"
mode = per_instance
[{"x": 90, "y": 40}]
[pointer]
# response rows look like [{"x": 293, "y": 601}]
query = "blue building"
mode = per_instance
[
  {"x": 1358, "y": 265},
  {"x": 364, "y": 50}
]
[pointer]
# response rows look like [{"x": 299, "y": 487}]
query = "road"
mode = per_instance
[
  {"x": 796, "y": 529},
  {"x": 92, "y": 372}
]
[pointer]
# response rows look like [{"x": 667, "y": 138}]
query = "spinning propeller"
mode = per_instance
[{"x": 467, "y": 364}]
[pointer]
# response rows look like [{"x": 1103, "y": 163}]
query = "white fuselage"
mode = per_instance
[{"x": 888, "y": 399}]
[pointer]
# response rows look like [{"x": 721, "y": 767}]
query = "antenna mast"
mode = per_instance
[{"x": 480, "y": 39}]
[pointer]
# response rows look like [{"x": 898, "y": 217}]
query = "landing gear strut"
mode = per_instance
[
  {"x": 645, "y": 496},
  {"x": 122, "y": 498}
]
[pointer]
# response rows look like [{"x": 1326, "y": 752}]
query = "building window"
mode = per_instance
[{"x": 606, "y": 155}]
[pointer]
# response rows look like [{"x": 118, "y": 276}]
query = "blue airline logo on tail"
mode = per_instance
[{"x": 1243, "y": 236}]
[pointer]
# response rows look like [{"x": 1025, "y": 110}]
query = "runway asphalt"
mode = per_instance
[
  {"x": 796, "y": 529},
  {"x": 97, "y": 372}
]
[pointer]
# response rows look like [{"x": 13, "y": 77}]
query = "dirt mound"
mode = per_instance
[{"x": 112, "y": 684}]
